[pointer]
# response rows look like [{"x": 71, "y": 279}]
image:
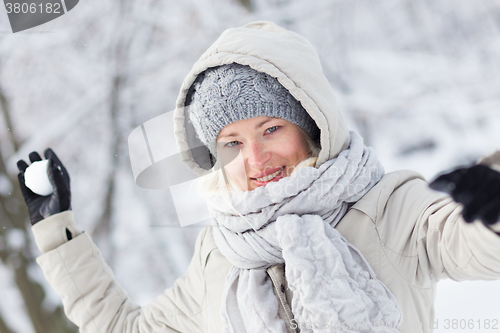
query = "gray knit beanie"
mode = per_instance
[{"x": 229, "y": 93}]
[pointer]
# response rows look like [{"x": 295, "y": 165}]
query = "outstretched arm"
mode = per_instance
[
  {"x": 477, "y": 188},
  {"x": 95, "y": 302},
  {"x": 74, "y": 267},
  {"x": 462, "y": 235}
]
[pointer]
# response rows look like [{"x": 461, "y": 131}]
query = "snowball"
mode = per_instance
[{"x": 36, "y": 178}]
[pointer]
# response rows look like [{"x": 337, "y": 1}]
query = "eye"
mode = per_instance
[
  {"x": 272, "y": 129},
  {"x": 231, "y": 144}
]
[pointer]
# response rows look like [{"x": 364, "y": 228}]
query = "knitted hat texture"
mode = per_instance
[{"x": 229, "y": 93}]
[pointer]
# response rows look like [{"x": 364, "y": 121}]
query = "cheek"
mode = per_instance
[
  {"x": 295, "y": 150},
  {"x": 236, "y": 169}
]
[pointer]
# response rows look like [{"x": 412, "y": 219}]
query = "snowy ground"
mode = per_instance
[{"x": 468, "y": 306}]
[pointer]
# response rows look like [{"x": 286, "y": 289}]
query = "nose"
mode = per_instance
[{"x": 257, "y": 154}]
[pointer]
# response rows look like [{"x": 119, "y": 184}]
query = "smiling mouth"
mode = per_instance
[{"x": 271, "y": 176}]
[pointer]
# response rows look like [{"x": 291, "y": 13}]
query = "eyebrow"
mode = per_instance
[{"x": 256, "y": 127}]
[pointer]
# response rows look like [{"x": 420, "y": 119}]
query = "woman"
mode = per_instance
[{"x": 309, "y": 233}]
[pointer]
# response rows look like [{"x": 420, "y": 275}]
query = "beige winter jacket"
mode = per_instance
[{"x": 410, "y": 235}]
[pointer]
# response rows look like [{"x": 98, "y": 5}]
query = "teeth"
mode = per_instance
[{"x": 271, "y": 176}]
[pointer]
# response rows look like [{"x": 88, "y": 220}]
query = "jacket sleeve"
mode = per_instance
[
  {"x": 456, "y": 249},
  {"x": 450, "y": 247},
  {"x": 493, "y": 161},
  {"x": 94, "y": 301},
  {"x": 466, "y": 251}
]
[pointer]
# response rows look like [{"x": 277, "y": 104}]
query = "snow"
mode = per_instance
[
  {"x": 5, "y": 185},
  {"x": 11, "y": 305},
  {"x": 37, "y": 179},
  {"x": 469, "y": 302},
  {"x": 15, "y": 239}
]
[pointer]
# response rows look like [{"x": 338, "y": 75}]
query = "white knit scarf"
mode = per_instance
[{"x": 293, "y": 221}]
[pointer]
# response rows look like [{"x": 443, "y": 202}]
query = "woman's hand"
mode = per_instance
[
  {"x": 41, "y": 207},
  {"x": 477, "y": 188}
]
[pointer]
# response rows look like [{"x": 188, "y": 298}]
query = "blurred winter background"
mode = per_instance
[{"x": 419, "y": 79}]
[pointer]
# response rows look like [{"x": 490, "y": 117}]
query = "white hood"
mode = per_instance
[{"x": 283, "y": 54}]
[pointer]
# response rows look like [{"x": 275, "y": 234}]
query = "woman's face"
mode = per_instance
[{"x": 260, "y": 150}]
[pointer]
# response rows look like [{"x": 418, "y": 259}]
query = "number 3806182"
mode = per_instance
[{"x": 25, "y": 8}]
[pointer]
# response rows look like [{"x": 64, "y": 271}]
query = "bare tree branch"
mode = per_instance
[
  {"x": 3, "y": 326},
  {"x": 247, "y": 4},
  {"x": 14, "y": 211},
  {"x": 4, "y": 105},
  {"x": 118, "y": 59},
  {"x": 104, "y": 227}
]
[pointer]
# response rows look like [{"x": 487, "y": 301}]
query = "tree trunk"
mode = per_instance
[
  {"x": 14, "y": 214},
  {"x": 3, "y": 327}
]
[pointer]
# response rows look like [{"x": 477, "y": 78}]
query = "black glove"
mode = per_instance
[
  {"x": 41, "y": 207},
  {"x": 477, "y": 188}
]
